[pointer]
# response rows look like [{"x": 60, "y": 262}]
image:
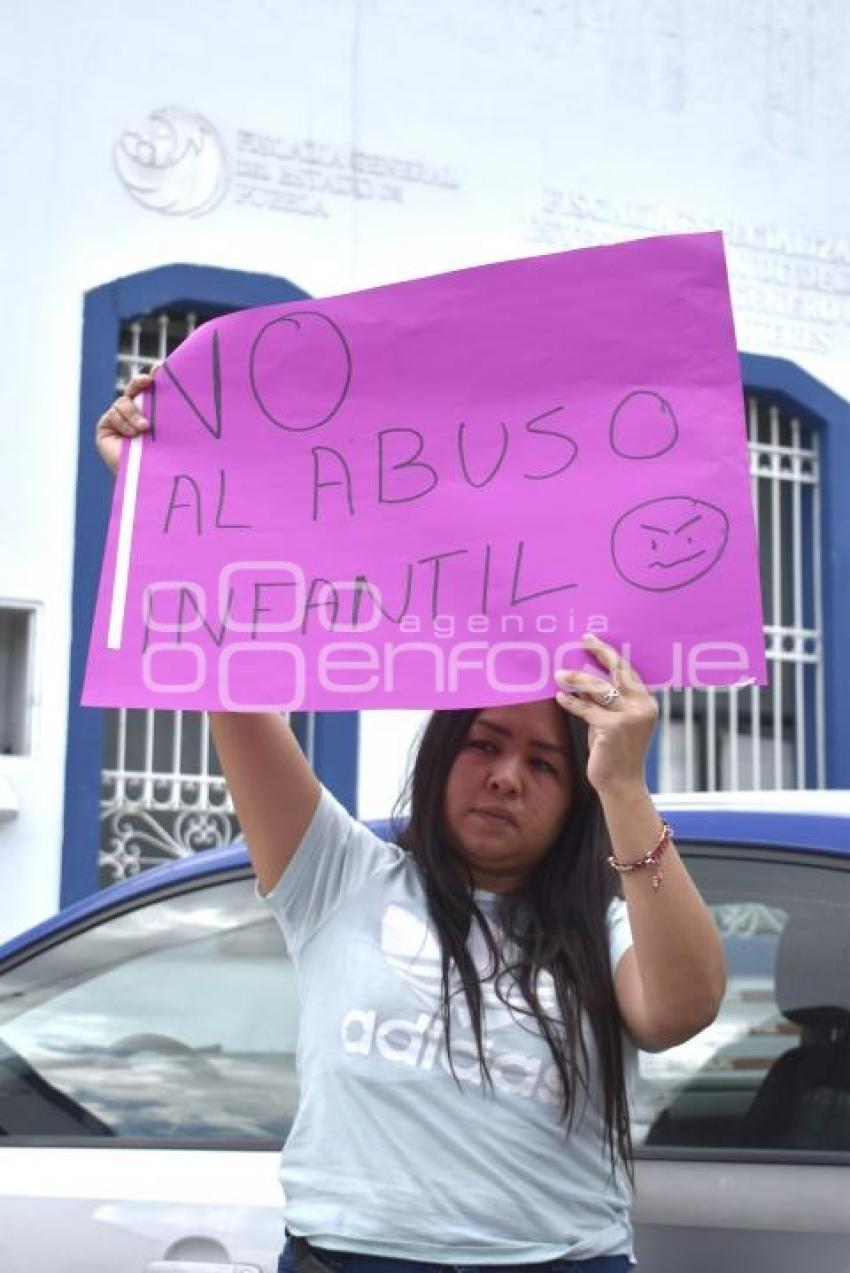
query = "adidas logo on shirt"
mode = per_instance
[{"x": 412, "y": 951}]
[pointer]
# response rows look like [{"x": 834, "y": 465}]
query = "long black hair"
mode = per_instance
[{"x": 555, "y": 922}]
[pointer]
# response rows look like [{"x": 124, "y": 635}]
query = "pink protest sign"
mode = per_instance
[{"x": 423, "y": 494}]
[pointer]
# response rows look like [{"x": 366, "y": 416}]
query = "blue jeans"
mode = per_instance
[{"x": 339, "y": 1262}]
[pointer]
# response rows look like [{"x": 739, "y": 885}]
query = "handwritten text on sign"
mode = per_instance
[{"x": 423, "y": 494}]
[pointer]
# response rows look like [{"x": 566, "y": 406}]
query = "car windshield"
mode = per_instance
[{"x": 180, "y": 1016}]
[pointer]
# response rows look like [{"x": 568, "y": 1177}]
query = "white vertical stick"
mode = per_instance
[{"x": 125, "y": 543}]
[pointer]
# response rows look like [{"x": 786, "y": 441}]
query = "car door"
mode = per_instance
[
  {"x": 743, "y": 1133},
  {"x": 147, "y": 1082}
]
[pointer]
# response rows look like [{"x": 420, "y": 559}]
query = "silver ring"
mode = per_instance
[{"x": 609, "y": 696}]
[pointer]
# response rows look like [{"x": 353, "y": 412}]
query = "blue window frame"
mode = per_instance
[{"x": 205, "y": 290}]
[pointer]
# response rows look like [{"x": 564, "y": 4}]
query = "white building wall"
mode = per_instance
[{"x": 355, "y": 143}]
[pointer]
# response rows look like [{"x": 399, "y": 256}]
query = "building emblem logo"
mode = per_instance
[{"x": 174, "y": 163}]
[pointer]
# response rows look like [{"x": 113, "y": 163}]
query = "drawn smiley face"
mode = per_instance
[{"x": 668, "y": 543}]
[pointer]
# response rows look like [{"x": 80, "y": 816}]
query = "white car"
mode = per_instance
[{"x": 147, "y": 1068}]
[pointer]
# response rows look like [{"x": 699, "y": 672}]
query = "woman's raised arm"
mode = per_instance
[{"x": 273, "y": 788}]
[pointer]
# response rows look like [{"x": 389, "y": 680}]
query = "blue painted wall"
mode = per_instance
[{"x": 206, "y": 291}]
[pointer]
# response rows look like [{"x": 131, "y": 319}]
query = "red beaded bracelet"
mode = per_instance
[{"x": 652, "y": 858}]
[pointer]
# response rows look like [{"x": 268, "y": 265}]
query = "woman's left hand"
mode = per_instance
[{"x": 619, "y": 732}]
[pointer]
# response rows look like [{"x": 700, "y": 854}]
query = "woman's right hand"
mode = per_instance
[{"x": 122, "y": 420}]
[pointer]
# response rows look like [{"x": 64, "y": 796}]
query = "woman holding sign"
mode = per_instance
[{"x": 473, "y": 996}]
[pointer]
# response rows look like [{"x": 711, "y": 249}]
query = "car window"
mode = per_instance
[
  {"x": 773, "y": 1071},
  {"x": 177, "y": 1019}
]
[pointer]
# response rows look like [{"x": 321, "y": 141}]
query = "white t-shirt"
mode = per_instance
[{"x": 388, "y": 1155}]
